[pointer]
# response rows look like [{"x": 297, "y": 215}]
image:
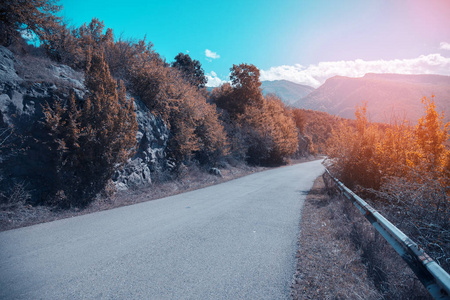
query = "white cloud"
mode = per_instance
[
  {"x": 315, "y": 75},
  {"x": 214, "y": 80},
  {"x": 444, "y": 46},
  {"x": 212, "y": 55}
]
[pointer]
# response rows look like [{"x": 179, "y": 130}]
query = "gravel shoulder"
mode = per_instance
[{"x": 327, "y": 267}]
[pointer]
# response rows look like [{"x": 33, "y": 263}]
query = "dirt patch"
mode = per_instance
[{"x": 341, "y": 256}]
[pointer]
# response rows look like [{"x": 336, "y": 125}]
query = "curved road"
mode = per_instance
[{"x": 235, "y": 240}]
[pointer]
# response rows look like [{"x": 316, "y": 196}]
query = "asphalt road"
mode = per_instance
[{"x": 235, "y": 240}]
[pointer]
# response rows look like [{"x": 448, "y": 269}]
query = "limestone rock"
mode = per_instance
[{"x": 215, "y": 171}]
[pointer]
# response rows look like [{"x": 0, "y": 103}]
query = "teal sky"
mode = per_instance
[{"x": 277, "y": 36}]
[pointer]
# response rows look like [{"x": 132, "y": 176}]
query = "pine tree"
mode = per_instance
[
  {"x": 191, "y": 70},
  {"x": 91, "y": 141}
]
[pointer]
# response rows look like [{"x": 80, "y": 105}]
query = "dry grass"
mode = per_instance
[
  {"x": 38, "y": 68},
  {"x": 341, "y": 256}
]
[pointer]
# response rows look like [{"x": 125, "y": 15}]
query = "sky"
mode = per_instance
[{"x": 302, "y": 41}]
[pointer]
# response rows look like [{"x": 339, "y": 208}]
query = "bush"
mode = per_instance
[{"x": 421, "y": 209}]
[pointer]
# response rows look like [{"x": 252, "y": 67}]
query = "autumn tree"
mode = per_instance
[
  {"x": 91, "y": 141},
  {"x": 190, "y": 69},
  {"x": 269, "y": 132},
  {"x": 26, "y": 16},
  {"x": 62, "y": 46},
  {"x": 246, "y": 90},
  {"x": 416, "y": 180},
  {"x": 299, "y": 119},
  {"x": 432, "y": 134},
  {"x": 353, "y": 151},
  {"x": 262, "y": 128},
  {"x": 281, "y": 128},
  {"x": 396, "y": 151}
]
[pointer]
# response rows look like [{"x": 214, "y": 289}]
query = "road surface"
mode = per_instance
[{"x": 235, "y": 240}]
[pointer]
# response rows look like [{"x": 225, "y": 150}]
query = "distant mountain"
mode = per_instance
[
  {"x": 386, "y": 95},
  {"x": 288, "y": 91}
]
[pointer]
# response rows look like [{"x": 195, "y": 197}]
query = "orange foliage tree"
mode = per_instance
[
  {"x": 31, "y": 16},
  {"x": 353, "y": 151},
  {"x": 262, "y": 129},
  {"x": 432, "y": 134}
]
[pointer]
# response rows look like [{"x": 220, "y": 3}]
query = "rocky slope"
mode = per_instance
[{"x": 28, "y": 82}]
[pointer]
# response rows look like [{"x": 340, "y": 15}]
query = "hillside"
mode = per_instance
[
  {"x": 288, "y": 91},
  {"x": 386, "y": 95}
]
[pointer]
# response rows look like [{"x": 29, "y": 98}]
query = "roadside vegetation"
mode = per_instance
[
  {"x": 91, "y": 135},
  {"x": 403, "y": 170},
  {"x": 341, "y": 256}
]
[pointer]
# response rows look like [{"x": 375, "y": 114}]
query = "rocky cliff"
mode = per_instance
[{"x": 28, "y": 82}]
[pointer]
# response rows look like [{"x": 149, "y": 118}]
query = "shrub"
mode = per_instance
[{"x": 92, "y": 141}]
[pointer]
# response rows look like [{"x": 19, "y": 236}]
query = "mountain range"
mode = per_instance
[
  {"x": 388, "y": 96},
  {"x": 288, "y": 91}
]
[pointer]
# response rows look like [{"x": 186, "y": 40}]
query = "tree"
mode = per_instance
[
  {"x": 92, "y": 141},
  {"x": 397, "y": 150},
  {"x": 271, "y": 134},
  {"x": 190, "y": 69},
  {"x": 432, "y": 134},
  {"x": 246, "y": 90},
  {"x": 212, "y": 137},
  {"x": 262, "y": 128},
  {"x": 299, "y": 119},
  {"x": 353, "y": 151},
  {"x": 30, "y": 16},
  {"x": 282, "y": 130}
]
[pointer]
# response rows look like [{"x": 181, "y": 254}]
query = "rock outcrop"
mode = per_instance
[
  {"x": 24, "y": 157},
  {"x": 150, "y": 156}
]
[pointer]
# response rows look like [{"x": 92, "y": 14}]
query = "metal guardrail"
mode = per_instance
[{"x": 432, "y": 276}]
